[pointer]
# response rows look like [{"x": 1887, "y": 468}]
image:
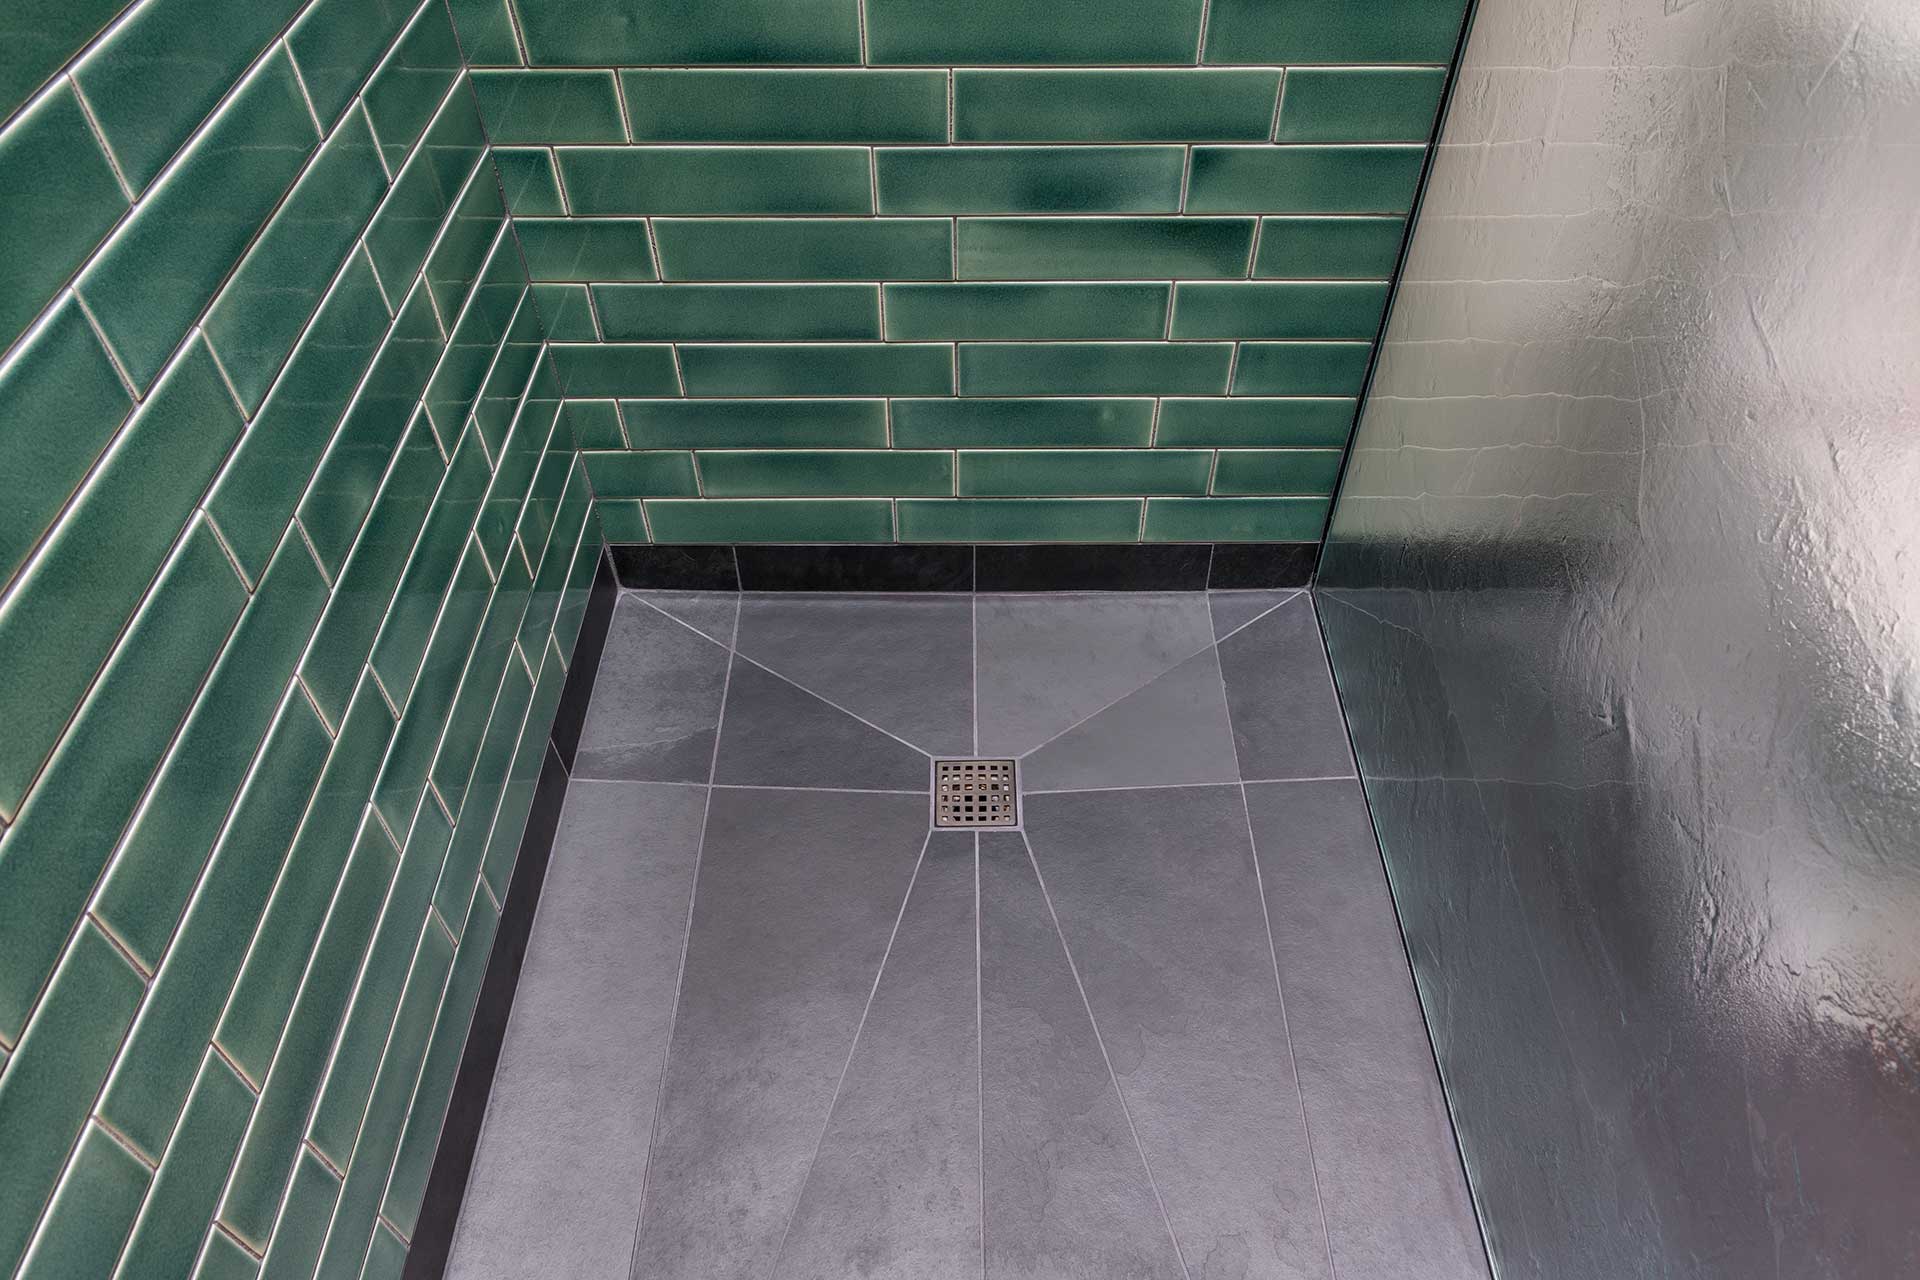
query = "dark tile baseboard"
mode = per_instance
[{"x": 1051, "y": 566}]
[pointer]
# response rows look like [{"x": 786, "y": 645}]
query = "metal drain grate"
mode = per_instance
[{"x": 974, "y": 793}]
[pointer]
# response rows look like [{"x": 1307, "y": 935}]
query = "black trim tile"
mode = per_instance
[
  {"x": 854, "y": 567},
  {"x": 1053, "y": 566},
  {"x": 1254, "y": 566},
  {"x": 645, "y": 567},
  {"x": 570, "y": 717}
]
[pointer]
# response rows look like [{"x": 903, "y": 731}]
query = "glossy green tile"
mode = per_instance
[
  {"x": 770, "y": 520},
  {"x": 91, "y": 1212},
  {"x": 566, "y": 315},
  {"x": 1235, "y": 519},
  {"x": 338, "y": 43},
  {"x": 573, "y": 527},
  {"x": 222, "y": 1259},
  {"x": 543, "y": 499},
  {"x": 1029, "y": 179},
  {"x": 1006, "y": 423},
  {"x": 623, "y": 519},
  {"x": 406, "y": 92},
  {"x": 456, "y": 385},
  {"x": 386, "y": 1255},
  {"x": 1360, "y": 104},
  {"x": 642, "y": 474},
  {"x": 480, "y": 684},
  {"x": 1218, "y": 422},
  {"x": 1329, "y": 248},
  {"x": 737, "y": 312},
  {"x": 547, "y": 106},
  {"x": 68, "y": 603},
  {"x": 730, "y": 180},
  {"x": 777, "y": 424},
  {"x": 973, "y": 31},
  {"x": 273, "y": 1137},
  {"x": 150, "y": 281},
  {"x": 61, "y": 197},
  {"x": 486, "y": 32},
  {"x": 811, "y": 473},
  {"x": 596, "y": 424},
  {"x": 503, "y": 843},
  {"x": 613, "y": 369},
  {"x": 303, "y": 1225},
  {"x": 1093, "y": 368},
  {"x": 39, "y": 36},
  {"x": 263, "y": 481},
  {"x": 424, "y": 192},
  {"x": 604, "y": 249},
  {"x": 50, "y": 1081},
  {"x": 1301, "y": 368},
  {"x": 467, "y": 244},
  {"x": 665, "y": 32},
  {"x": 159, "y": 859},
  {"x": 528, "y": 181},
  {"x": 150, "y": 1081},
  {"x": 1114, "y": 106},
  {"x": 507, "y": 381},
  {"x": 1277, "y": 471},
  {"x": 1019, "y": 520},
  {"x": 1304, "y": 179},
  {"x": 820, "y": 249},
  {"x": 520, "y": 459},
  {"x": 1103, "y": 248},
  {"x": 58, "y": 378},
  {"x": 461, "y": 871},
  {"x": 1279, "y": 309},
  {"x": 1042, "y": 473},
  {"x": 260, "y": 312},
  {"x": 1042, "y": 311},
  {"x": 166, "y": 1239},
  {"x": 819, "y": 369},
  {"x": 63, "y": 835},
  {"x": 1313, "y": 31},
  {"x": 409, "y": 624},
  {"x": 164, "y": 67},
  {"x": 737, "y": 105}
]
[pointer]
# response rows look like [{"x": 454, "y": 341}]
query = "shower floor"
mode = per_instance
[{"x": 771, "y": 1025}]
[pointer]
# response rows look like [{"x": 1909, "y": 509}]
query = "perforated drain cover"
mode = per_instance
[{"x": 975, "y": 793}]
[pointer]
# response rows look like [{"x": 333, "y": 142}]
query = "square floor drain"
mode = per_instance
[{"x": 975, "y": 793}]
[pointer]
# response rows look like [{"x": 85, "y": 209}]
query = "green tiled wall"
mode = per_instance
[
  {"x": 294, "y": 546},
  {"x": 875, "y": 270}
]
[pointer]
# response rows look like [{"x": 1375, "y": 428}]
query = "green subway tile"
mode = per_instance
[
  {"x": 91, "y": 1212},
  {"x": 641, "y": 474},
  {"x": 407, "y": 90},
  {"x": 770, "y": 520},
  {"x": 596, "y": 424},
  {"x": 974, "y": 31},
  {"x": 486, "y": 35},
  {"x": 163, "y": 68},
  {"x": 1045, "y": 473},
  {"x": 823, "y": 473},
  {"x": 1103, "y": 248},
  {"x": 457, "y": 383},
  {"x": 280, "y": 282},
  {"x": 386, "y": 1255},
  {"x": 819, "y": 249},
  {"x": 623, "y": 519},
  {"x": 461, "y": 871},
  {"x": 222, "y": 1259},
  {"x": 1019, "y": 520},
  {"x": 1301, "y": 368},
  {"x": 1219, "y": 422},
  {"x": 150, "y": 1081},
  {"x": 60, "y": 401},
  {"x": 303, "y": 1223},
  {"x": 520, "y": 459},
  {"x": 468, "y": 242},
  {"x": 694, "y": 105},
  {"x": 1003, "y": 423},
  {"x": 572, "y": 513},
  {"x": 68, "y": 603},
  {"x": 543, "y": 499},
  {"x": 503, "y": 843},
  {"x": 512, "y": 371},
  {"x": 186, "y": 1189},
  {"x": 579, "y": 586},
  {"x": 1093, "y": 368},
  {"x": 819, "y": 369},
  {"x": 480, "y": 685},
  {"x": 424, "y": 192},
  {"x": 1235, "y": 519},
  {"x": 273, "y": 1137},
  {"x": 609, "y": 249},
  {"x": 62, "y": 197},
  {"x": 1029, "y": 179},
  {"x": 737, "y": 312},
  {"x": 1276, "y": 309},
  {"x": 731, "y": 180},
  {"x": 548, "y": 106},
  {"x": 1303, "y": 179},
  {"x": 159, "y": 859},
  {"x": 1313, "y": 31},
  {"x": 1114, "y": 106},
  {"x": 39, "y": 36},
  {"x": 566, "y": 315},
  {"x": 527, "y": 178},
  {"x": 338, "y": 43},
  {"x": 1329, "y": 248},
  {"x": 51, "y": 1079},
  {"x": 62, "y": 837},
  {"x": 257, "y": 493},
  {"x": 1040, "y": 311},
  {"x": 1360, "y": 104},
  {"x": 1265, "y": 471},
  {"x": 665, "y": 32},
  {"x": 774, "y": 424},
  {"x": 149, "y": 283},
  {"x": 608, "y": 369}
]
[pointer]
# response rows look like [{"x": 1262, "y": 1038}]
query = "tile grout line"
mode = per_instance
[{"x": 836, "y": 706}]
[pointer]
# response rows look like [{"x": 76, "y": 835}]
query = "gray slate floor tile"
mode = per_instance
[
  {"x": 1286, "y": 717},
  {"x": 1174, "y": 730},
  {"x": 1233, "y": 610},
  {"x": 711, "y": 613},
  {"x": 777, "y": 734},
  {"x": 656, "y": 701}
]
